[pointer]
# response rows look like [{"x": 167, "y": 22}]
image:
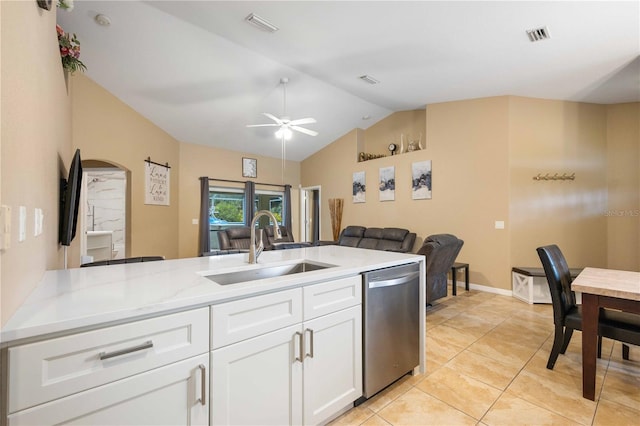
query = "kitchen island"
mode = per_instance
[{"x": 119, "y": 329}]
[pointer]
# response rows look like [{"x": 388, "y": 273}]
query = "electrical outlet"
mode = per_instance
[
  {"x": 499, "y": 224},
  {"x": 194, "y": 221}
]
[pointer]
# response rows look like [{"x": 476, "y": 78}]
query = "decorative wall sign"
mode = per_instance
[
  {"x": 249, "y": 167},
  {"x": 359, "y": 187},
  {"x": 421, "y": 180},
  {"x": 156, "y": 183},
  {"x": 387, "y": 185}
]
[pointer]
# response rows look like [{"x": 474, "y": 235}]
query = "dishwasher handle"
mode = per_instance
[{"x": 394, "y": 281}]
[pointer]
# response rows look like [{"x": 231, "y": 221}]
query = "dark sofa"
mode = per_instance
[{"x": 388, "y": 239}]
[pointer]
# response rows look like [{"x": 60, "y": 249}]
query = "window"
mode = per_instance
[
  {"x": 272, "y": 201},
  {"x": 227, "y": 209}
]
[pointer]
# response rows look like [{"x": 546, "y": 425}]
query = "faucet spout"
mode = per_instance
[{"x": 254, "y": 252}]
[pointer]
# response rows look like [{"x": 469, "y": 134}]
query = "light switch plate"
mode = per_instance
[
  {"x": 38, "y": 219},
  {"x": 194, "y": 221},
  {"x": 499, "y": 224},
  {"x": 22, "y": 224}
]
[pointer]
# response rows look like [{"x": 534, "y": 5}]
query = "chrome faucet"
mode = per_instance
[{"x": 254, "y": 252}]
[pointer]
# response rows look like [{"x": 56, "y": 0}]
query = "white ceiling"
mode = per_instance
[{"x": 200, "y": 72}]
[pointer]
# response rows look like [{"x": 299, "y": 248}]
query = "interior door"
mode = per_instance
[{"x": 310, "y": 214}]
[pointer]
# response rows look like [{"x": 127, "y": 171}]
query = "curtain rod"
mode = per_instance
[{"x": 242, "y": 182}]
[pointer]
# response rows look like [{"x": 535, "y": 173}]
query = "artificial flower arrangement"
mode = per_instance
[
  {"x": 66, "y": 4},
  {"x": 69, "y": 51},
  {"x": 69, "y": 44}
]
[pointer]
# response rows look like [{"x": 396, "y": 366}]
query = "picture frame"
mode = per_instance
[
  {"x": 249, "y": 167},
  {"x": 421, "y": 180},
  {"x": 387, "y": 184},
  {"x": 359, "y": 187}
]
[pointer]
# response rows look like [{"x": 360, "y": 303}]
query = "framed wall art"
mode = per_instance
[
  {"x": 421, "y": 180},
  {"x": 249, "y": 167},
  {"x": 387, "y": 185},
  {"x": 359, "y": 187}
]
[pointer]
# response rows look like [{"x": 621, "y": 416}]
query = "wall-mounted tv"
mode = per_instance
[{"x": 70, "y": 200}]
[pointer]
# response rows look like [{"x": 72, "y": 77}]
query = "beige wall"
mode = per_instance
[
  {"x": 35, "y": 143},
  {"x": 623, "y": 178},
  {"x": 106, "y": 129},
  {"x": 552, "y": 137},
  {"x": 468, "y": 145},
  {"x": 485, "y": 153},
  {"x": 198, "y": 160}
]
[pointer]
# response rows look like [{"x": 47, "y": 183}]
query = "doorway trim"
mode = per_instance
[{"x": 306, "y": 214}]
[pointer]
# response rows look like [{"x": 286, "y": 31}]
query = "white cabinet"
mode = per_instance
[
  {"x": 100, "y": 245},
  {"x": 153, "y": 371},
  {"x": 332, "y": 364},
  {"x": 296, "y": 374},
  {"x": 258, "y": 381},
  {"x": 170, "y": 395}
]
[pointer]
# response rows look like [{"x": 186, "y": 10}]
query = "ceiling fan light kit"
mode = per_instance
[{"x": 285, "y": 124}]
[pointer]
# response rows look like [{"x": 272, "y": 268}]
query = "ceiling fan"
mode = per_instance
[{"x": 285, "y": 124}]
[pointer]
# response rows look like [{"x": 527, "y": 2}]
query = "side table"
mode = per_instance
[{"x": 454, "y": 269}]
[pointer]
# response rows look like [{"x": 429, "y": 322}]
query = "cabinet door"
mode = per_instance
[
  {"x": 333, "y": 363},
  {"x": 258, "y": 381},
  {"x": 170, "y": 395}
]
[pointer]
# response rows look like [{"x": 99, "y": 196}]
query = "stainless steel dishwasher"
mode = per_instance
[{"x": 391, "y": 316}]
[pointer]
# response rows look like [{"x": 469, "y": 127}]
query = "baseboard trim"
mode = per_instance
[{"x": 485, "y": 288}]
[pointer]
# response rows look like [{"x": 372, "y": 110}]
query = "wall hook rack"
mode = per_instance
[
  {"x": 148, "y": 160},
  {"x": 555, "y": 176}
]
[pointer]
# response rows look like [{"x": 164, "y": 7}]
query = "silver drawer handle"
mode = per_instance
[
  {"x": 203, "y": 391},
  {"x": 310, "y": 354},
  {"x": 300, "y": 356},
  {"x": 106, "y": 355}
]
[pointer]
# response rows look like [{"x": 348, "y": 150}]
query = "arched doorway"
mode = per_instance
[{"x": 104, "y": 215}]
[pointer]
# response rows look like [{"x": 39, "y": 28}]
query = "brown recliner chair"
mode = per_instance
[
  {"x": 237, "y": 238},
  {"x": 286, "y": 242},
  {"x": 441, "y": 251}
]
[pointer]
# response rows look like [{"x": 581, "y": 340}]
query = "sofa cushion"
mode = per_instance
[
  {"x": 394, "y": 234},
  {"x": 351, "y": 236},
  {"x": 371, "y": 238}
]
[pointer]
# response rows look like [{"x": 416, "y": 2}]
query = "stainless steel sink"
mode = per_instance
[{"x": 266, "y": 272}]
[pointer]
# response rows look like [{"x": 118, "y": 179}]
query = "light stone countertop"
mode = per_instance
[
  {"x": 608, "y": 282},
  {"x": 83, "y": 298}
]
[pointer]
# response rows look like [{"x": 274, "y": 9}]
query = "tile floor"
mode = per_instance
[{"x": 486, "y": 365}]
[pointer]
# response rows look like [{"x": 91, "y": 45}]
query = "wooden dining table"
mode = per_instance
[{"x": 602, "y": 288}]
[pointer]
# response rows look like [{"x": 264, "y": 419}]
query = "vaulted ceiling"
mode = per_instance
[{"x": 201, "y": 72}]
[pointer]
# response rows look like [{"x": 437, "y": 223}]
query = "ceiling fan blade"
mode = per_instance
[
  {"x": 273, "y": 117},
  {"x": 263, "y": 125},
  {"x": 305, "y": 131},
  {"x": 302, "y": 121}
]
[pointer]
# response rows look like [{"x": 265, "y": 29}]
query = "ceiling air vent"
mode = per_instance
[
  {"x": 368, "y": 79},
  {"x": 538, "y": 34},
  {"x": 261, "y": 23}
]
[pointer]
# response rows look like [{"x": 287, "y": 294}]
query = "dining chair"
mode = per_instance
[{"x": 567, "y": 315}]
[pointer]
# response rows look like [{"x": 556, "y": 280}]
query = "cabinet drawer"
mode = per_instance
[
  {"x": 324, "y": 298},
  {"x": 43, "y": 371},
  {"x": 242, "y": 319}
]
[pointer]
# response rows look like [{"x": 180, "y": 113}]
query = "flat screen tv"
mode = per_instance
[{"x": 70, "y": 200}]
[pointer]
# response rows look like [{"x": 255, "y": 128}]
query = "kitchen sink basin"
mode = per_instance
[{"x": 266, "y": 272}]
